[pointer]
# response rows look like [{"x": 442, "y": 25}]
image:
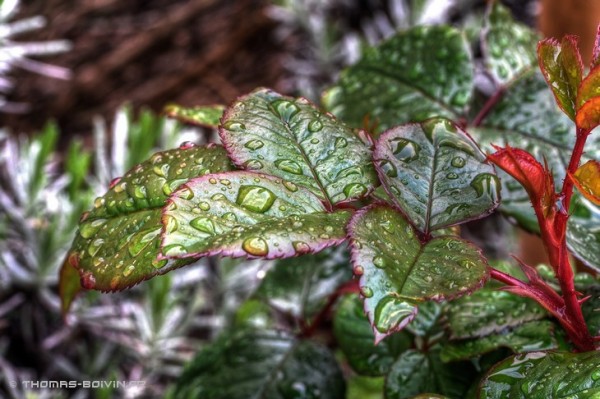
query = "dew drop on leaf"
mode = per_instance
[
  {"x": 204, "y": 225},
  {"x": 340, "y": 142},
  {"x": 88, "y": 229},
  {"x": 379, "y": 262},
  {"x": 290, "y": 186},
  {"x": 388, "y": 168},
  {"x": 174, "y": 250},
  {"x": 391, "y": 312},
  {"x": 366, "y": 292},
  {"x": 255, "y": 246},
  {"x": 458, "y": 162},
  {"x": 301, "y": 247},
  {"x": 354, "y": 190},
  {"x": 315, "y": 126},
  {"x": 289, "y": 166},
  {"x": 285, "y": 109},
  {"x": 234, "y": 126},
  {"x": 253, "y": 164},
  {"x": 486, "y": 183},
  {"x": 406, "y": 150},
  {"x": 255, "y": 198}
]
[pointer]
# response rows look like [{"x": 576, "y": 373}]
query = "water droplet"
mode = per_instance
[
  {"x": 358, "y": 270},
  {"x": 314, "y": 141},
  {"x": 254, "y": 144},
  {"x": 255, "y": 246},
  {"x": 88, "y": 281},
  {"x": 234, "y": 126},
  {"x": 98, "y": 202},
  {"x": 289, "y": 166},
  {"x": 114, "y": 182},
  {"x": 379, "y": 262},
  {"x": 161, "y": 171},
  {"x": 253, "y": 164},
  {"x": 205, "y": 206},
  {"x": 230, "y": 216},
  {"x": 486, "y": 183},
  {"x": 204, "y": 225},
  {"x": 458, "y": 162},
  {"x": 391, "y": 313},
  {"x": 139, "y": 192},
  {"x": 255, "y": 198},
  {"x": 186, "y": 145},
  {"x": 315, "y": 126},
  {"x": 340, "y": 142},
  {"x": 301, "y": 247},
  {"x": 290, "y": 186},
  {"x": 141, "y": 241},
  {"x": 452, "y": 176},
  {"x": 355, "y": 190},
  {"x": 406, "y": 150},
  {"x": 286, "y": 109},
  {"x": 158, "y": 264},
  {"x": 95, "y": 246},
  {"x": 186, "y": 193},
  {"x": 127, "y": 272},
  {"x": 88, "y": 229},
  {"x": 388, "y": 168},
  {"x": 366, "y": 292},
  {"x": 174, "y": 250}
]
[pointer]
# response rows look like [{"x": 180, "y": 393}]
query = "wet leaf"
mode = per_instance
[
  {"x": 248, "y": 214},
  {"x": 435, "y": 173},
  {"x": 563, "y": 69},
  {"x": 118, "y": 241},
  {"x": 583, "y": 233},
  {"x": 207, "y": 116},
  {"x": 416, "y": 372},
  {"x": 355, "y": 338},
  {"x": 528, "y": 337},
  {"x": 508, "y": 46},
  {"x": 292, "y": 139},
  {"x": 587, "y": 180},
  {"x": 69, "y": 285},
  {"x": 302, "y": 286},
  {"x": 542, "y": 375},
  {"x": 397, "y": 271},
  {"x": 588, "y": 101},
  {"x": 591, "y": 309},
  {"x": 489, "y": 311},
  {"x": 253, "y": 364},
  {"x": 418, "y": 74}
]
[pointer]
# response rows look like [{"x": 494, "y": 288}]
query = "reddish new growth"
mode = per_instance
[{"x": 551, "y": 208}]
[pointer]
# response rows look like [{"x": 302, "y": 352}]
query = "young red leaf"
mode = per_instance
[
  {"x": 587, "y": 180},
  {"x": 563, "y": 69},
  {"x": 588, "y": 101},
  {"x": 534, "y": 177},
  {"x": 596, "y": 54}
]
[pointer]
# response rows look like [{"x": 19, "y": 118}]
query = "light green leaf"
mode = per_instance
[
  {"x": 118, "y": 241},
  {"x": 398, "y": 271},
  {"x": 248, "y": 214},
  {"x": 252, "y": 364},
  {"x": 292, "y": 139},
  {"x": 543, "y": 375},
  {"x": 208, "y": 115},
  {"x": 435, "y": 173},
  {"x": 419, "y": 73}
]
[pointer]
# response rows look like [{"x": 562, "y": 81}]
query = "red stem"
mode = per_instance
[{"x": 487, "y": 107}]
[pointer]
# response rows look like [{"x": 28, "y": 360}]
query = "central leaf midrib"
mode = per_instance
[
  {"x": 412, "y": 266},
  {"x": 429, "y": 199},
  {"x": 293, "y": 139}
]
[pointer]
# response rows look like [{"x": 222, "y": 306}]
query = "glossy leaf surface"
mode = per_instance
[
  {"x": 563, "y": 69},
  {"x": 248, "y": 214},
  {"x": 435, "y": 173},
  {"x": 542, "y": 375},
  {"x": 591, "y": 309},
  {"x": 588, "y": 101},
  {"x": 207, "y": 116},
  {"x": 69, "y": 285},
  {"x": 508, "y": 46},
  {"x": 290, "y": 138},
  {"x": 417, "y": 74},
  {"x": 118, "y": 241},
  {"x": 583, "y": 233},
  {"x": 355, "y": 338},
  {"x": 251, "y": 364},
  {"x": 397, "y": 271},
  {"x": 528, "y": 337},
  {"x": 416, "y": 373},
  {"x": 302, "y": 286},
  {"x": 587, "y": 180}
]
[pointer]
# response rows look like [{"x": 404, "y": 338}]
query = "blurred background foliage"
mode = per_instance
[{"x": 66, "y": 69}]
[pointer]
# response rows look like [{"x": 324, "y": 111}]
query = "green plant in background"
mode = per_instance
[
  {"x": 291, "y": 180},
  {"x": 147, "y": 333}
]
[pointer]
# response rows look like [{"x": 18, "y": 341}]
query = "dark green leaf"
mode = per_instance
[
  {"x": 435, "y": 173},
  {"x": 397, "y": 271},
  {"x": 489, "y": 311},
  {"x": 118, "y": 241},
  {"x": 69, "y": 285},
  {"x": 508, "y": 46},
  {"x": 416, "y": 373},
  {"x": 291, "y": 138},
  {"x": 583, "y": 234},
  {"x": 543, "y": 375},
  {"x": 415, "y": 75},
  {"x": 248, "y": 214},
  {"x": 302, "y": 286},
  {"x": 355, "y": 338},
  {"x": 251, "y": 364},
  {"x": 528, "y": 337},
  {"x": 591, "y": 309},
  {"x": 208, "y": 115}
]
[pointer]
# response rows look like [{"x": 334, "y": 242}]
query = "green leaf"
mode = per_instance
[
  {"x": 355, "y": 338},
  {"x": 365, "y": 387},
  {"x": 489, "y": 311},
  {"x": 398, "y": 271},
  {"x": 292, "y": 139},
  {"x": 508, "y": 46},
  {"x": 248, "y": 214},
  {"x": 542, "y": 375},
  {"x": 207, "y": 115},
  {"x": 415, "y": 75},
  {"x": 528, "y": 337},
  {"x": 583, "y": 235},
  {"x": 251, "y": 364},
  {"x": 118, "y": 241},
  {"x": 416, "y": 373},
  {"x": 563, "y": 69},
  {"x": 69, "y": 285},
  {"x": 591, "y": 309},
  {"x": 435, "y": 173},
  {"x": 302, "y": 286}
]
